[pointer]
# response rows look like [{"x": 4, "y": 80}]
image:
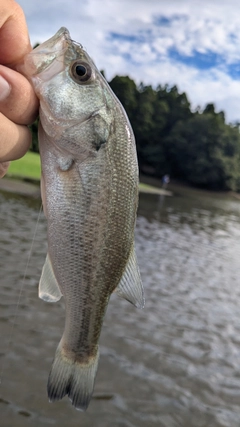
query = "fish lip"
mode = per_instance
[
  {"x": 51, "y": 45},
  {"x": 60, "y": 49},
  {"x": 40, "y": 58},
  {"x": 62, "y": 30}
]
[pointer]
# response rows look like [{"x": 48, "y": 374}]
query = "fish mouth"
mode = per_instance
[{"x": 39, "y": 59}]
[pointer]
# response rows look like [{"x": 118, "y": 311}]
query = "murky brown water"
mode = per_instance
[{"x": 175, "y": 363}]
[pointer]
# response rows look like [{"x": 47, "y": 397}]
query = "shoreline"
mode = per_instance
[
  {"x": 29, "y": 187},
  {"x": 23, "y": 187},
  {"x": 179, "y": 188}
]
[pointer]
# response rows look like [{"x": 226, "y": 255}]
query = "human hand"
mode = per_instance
[{"x": 18, "y": 102}]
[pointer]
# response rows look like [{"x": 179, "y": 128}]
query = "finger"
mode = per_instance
[
  {"x": 18, "y": 101},
  {"x": 13, "y": 33},
  {"x": 15, "y": 139}
]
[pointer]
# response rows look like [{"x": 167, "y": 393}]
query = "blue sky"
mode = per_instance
[{"x": 193, "y": 44}]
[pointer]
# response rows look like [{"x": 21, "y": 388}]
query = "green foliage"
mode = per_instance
[
  {"x": 205, "y": 152},
  {"x": 195, "y": 147},
  {"x": 126, "y": 91},
  {"x": 34, "y": 129}
]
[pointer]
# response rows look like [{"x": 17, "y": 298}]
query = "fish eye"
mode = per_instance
[{"x": 81, "y": 71}]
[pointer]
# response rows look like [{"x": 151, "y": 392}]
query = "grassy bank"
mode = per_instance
[{"x": 27, "y": 167}]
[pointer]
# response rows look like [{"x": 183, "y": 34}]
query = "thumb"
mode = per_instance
[{"x": 13, "y": 33}]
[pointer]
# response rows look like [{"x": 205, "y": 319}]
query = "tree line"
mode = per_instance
[{"x": 197, "y": 147}]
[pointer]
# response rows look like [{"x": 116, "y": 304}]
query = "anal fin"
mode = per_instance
[
  {"x": 130, "y": 286},
  {"x": 48, "y": 286}
]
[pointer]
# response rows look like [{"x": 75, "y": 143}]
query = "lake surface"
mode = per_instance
[{"x": 175, "y": 363}]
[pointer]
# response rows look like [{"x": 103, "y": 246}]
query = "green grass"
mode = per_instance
[
  {"x": 146, "y": 186},
  {"x": 26, "y": 167}
]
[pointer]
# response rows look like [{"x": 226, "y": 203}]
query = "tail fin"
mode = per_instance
[{"x": 73, "y": 378}]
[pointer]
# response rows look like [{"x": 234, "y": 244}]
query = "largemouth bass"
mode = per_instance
[{"x": 89, "y": 190}]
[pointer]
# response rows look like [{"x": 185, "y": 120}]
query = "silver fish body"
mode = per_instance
[{"x": 90, "y": 194}]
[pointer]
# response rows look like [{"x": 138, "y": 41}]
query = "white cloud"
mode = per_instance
[{"x": 203, "y": 26}]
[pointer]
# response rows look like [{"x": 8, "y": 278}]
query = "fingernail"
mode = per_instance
[{"x": 5, "y": 89}]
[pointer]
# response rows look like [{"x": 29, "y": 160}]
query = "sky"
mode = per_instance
[{"x": 192, "y": 44}]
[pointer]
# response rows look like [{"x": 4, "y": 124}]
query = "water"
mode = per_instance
[{"x": 175, "y": 363}]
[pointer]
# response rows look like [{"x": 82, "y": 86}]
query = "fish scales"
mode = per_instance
[{"x": 89, "y": 189}]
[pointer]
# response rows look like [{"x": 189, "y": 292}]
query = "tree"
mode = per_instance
[
  {"x": 206, "y": 152},
  {"x": 126, "y": 91},
  {"x": 34, "y": 129}
]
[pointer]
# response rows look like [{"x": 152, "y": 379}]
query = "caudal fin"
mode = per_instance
[{"x": 72, "y": 378}]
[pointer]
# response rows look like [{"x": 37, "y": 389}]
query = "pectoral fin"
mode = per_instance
[
  {"x": 48, "y": 286},
  {"x": 130, "y": 286}
]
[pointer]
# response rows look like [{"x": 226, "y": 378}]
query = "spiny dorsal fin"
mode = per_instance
[
  {"x": 130, "y": 286},
  {"x": 48, "y": 286}
]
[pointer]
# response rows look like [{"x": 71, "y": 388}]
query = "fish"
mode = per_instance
[{"x": 89, "y": 189}]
